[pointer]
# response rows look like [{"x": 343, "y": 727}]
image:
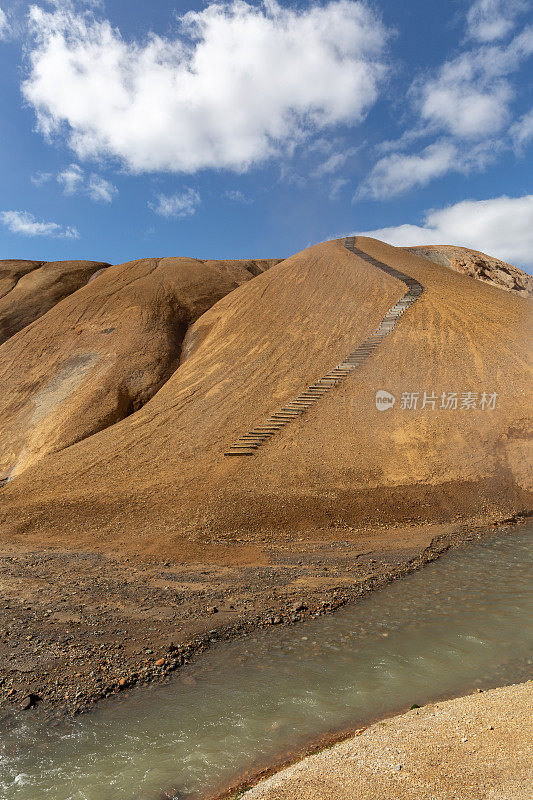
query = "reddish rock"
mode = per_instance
[{"x": 478, "y": 265}]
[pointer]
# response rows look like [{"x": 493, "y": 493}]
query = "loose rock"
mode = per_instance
[{"x": 29, "y": 701}]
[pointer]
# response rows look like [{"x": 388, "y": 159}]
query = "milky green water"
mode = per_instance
[{"x": 463, "y": 621}]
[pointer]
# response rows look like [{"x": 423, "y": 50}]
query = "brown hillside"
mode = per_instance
[
  {"x": 28, "y": 289},
  {"x": 158, "y": 481},
  {"x": 478, "y": 265},
  {"x": 103, "y": 351}
]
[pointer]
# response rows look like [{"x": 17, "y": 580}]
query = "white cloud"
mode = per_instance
[
  {"x": 470, "y": 95},
  {"x": 501, "y": 227},
  {"x": 5, "y": 28},
  {"x": 71, "y": 179},
  {"x": 177, "y": 205},
  {"x": 337, "y": 185},
  {"x": 522, "y": 130},
  {"x": 467, "y": 105},
  {"x": 100, "y": 190},
  {"x": 395, "y": 174},
  {"x": 74, "y": 181},
  {"x": 238, "y": 197},
  {"x": 238, "y": 84},
  {"x": 40, "y": 178},
  {"x": 25, "y": 223},
  {"x": 488, "y": 20},
  {"x": 407, "y": 138},
  {"x": 333, "y": 163},
  {"x": 504, "y": 60},
  {"x": 465, "y": 109}
]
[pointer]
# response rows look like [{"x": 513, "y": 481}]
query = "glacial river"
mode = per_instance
[{"x": 462, "y": 622}]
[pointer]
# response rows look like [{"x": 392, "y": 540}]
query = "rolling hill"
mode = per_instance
[{"x": 120, "y": 446}]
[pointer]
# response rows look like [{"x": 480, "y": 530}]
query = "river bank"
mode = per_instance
[
  {"x": 478, "y": 746},
  {"x": 78, "y": 627}
]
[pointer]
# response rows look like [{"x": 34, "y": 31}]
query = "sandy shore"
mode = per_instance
[{"x": 473, "y": 748}]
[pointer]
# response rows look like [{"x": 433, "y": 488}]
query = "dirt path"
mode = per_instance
[{"x": 472, "y": 748}]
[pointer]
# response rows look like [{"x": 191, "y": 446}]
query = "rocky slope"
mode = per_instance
[{"x": 478, "y": 265}]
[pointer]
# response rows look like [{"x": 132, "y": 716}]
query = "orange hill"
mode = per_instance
[
  {"x": 157, "y": 482},
  {"x": 28, "y": 289},
  {"x": 102, "y": 352}
]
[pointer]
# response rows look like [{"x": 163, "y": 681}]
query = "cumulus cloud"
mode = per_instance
[
  {"x": 25, "y": 223},
  {"x": 501, "y": 227},
  {"x": 396, "y": 174},
  {"x": 177, "y": 205},
  {"x": 488, "y": 20},
  {"x": 464, "y": 108},
  {"x": 466, "y": 105},
  {"x": 74, "y": 181},
  {"x": 470, "y": 95},
  {"x": 236, "y": 85}
]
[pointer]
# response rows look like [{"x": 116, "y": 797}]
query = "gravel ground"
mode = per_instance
[
  {"x": 473, "y": 748},
  {"x": 78, "y": 627}
]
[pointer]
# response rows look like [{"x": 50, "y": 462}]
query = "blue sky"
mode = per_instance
[{"x": 233, "y": 130}]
